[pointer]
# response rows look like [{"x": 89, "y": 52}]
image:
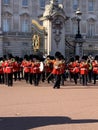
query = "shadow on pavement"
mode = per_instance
[{"x": 25, "y": 123}]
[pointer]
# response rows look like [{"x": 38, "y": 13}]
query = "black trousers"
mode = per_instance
[
  {"x": 18, "y": 75},
  {"x": 48, "y": 75},
  {"x": 94, "y": 76},
  {"x": 62, "y": 79},
  {"x": 57, "y": 81},
  {"x": 84, "y": 79},
  {"x": 31, "y": 78},
  {"x": 5, "y": 79},
  {"x": 75, "y": 77},
  {"x": 43, "y": 76},
  {"x": 15, "y": 76},
  {"x": 90, "y": 76},
  {"x": 36, "y": 78},
  {"x": 71, "y": 76},
  {"x": 1, "y": 78},
  {"x": 10, "y": 79},
  {"x": 26, "y": 76}
]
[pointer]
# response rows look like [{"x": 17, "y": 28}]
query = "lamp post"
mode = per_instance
[{"x": 78, "y": 37}]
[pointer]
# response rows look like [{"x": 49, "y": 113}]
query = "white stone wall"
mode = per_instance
[{"x": 17, "y": 43}]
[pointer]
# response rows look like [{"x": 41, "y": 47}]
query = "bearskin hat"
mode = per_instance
[
  {"x": 77, "y": 57},
  {"x": 96, "y": 57},
  {"x": 57, "y": 54}
]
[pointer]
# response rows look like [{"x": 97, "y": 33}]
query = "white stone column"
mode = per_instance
[
  {"x": 47, "y": 26},
  {"x": 49, "y": 36}
]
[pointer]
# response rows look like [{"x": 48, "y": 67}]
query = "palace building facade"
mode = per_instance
[{"x": 16, "y": 25}]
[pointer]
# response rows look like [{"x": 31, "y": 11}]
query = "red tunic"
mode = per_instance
[
  {"x": 95, "y": 67},
  {"x": 76, "y": 67},
  {"x": 84, "y": 68},
  {"x": 36, "y": 67},
  {"x": 56, "y": 68},
  {"x": 48, "y": 66},
  {"x": 26, "y": 66},
  {"x": 1, "y": 69},
  {"x": 71, "y": 67},
  {"x": 15, "y": 66},
  {"x": 9, "y": 67},
  {"x": 63, "y": 67}
]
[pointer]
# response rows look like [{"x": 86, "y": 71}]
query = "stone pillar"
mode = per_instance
[
  {"x": 79, "y": 49},
  {"x": 58, "y": 35},
  {"x": 54, "y": 22},
  {"x": 55, "y": 35}
]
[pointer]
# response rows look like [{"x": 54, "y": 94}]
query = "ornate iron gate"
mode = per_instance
[{"x": 38, "y": 38}]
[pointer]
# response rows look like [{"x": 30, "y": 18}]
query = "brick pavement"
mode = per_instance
[{"x": 25, "y": 107}]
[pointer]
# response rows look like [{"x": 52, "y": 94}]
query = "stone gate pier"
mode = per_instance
[{"x": 54, "y": 19}]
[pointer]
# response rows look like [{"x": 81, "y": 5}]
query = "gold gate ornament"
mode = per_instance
[{"x": 36, "y": 42}]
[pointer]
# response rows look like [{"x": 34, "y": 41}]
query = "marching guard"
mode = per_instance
[
  {"x": 48, "y": 67},
  {"x": 95, "y": 69},
  {"x": 36, "y": 70},
  {"x": 84, "y": 71},
  {"x": 9, "y": 72},
  {"x": 26, "y": 68},
  {"x": 57, "y": 71},
  {"x": 1, "y": 72},
  {"x": 15, "y": 68},
  {"x": 76, "y": 70},
  {"x": 63, "y": 68},
  {"x": 53, "y": 69},
  {"x": 70, "y": 68}
]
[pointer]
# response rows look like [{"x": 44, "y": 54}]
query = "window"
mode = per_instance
[
  {"x": 25, "y": 44},
  {"x": 90, "y": 46},
  {"x": 24, "y": 2},
  {"x": 60, "y": 1},
  {"x": 7, "y": 44},
  {"x": 6, "y": 25},
  {"x": 91, "y": 29},
  {"x": 91, "y": 4},
  {"x": 6, "y": 2},
  {"x": 25, "y": 22},
  {"x": 25, "y": 25},
  {"x": 42, "y": 3},
  {"x": 75, "y": 4}
]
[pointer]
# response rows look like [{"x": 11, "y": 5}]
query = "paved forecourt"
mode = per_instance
[{"x": 25, "y": 107}]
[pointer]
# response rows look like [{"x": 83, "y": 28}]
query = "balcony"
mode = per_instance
[
  {"x": 18, "y": 34},
  {"x": 85, "y": 37}
]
